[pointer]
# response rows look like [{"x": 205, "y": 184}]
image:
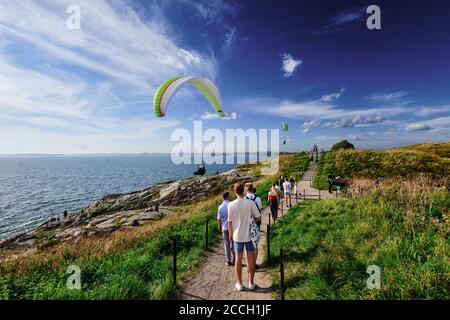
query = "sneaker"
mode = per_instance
[
  {"x": 251, "y": 286},
  {"x": 229, "y": 264},
  {"x": 239, "y": 286}
]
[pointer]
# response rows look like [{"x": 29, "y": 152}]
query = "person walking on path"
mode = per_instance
[
  {"x": 272, "y": 199},
  {"x": 222, "y": 225},
  {"x": 287, "y": 192},
  {"x": 251, "y": 195},
  {"x": 240, "y": 214}
]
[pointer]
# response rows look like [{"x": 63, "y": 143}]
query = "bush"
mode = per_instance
[{"x": 344, "y": 144}]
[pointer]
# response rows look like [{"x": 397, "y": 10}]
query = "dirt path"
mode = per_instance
[{"x": 213, "y": 280}]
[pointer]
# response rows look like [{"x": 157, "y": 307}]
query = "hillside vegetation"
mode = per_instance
[
  {"x": 127, "y": 264},
  {"x": 432, "y": 160},
  {"x": 402, "y": 227}
]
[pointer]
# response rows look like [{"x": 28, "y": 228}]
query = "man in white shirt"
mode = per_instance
[
  {"x": 287, "y": 192},
  {"x": 240, "y": 213}
]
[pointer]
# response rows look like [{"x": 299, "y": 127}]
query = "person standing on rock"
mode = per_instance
[
  {"x": 222, "y": 225},
  {"x": 65, "y": 214},
  {"x": 240, "y": 214}
]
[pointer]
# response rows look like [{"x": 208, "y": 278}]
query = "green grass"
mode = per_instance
[
  {"x": 290, "y": 165},
  {"x": 325, "y": 167},
  {"x": 143, "y": 272},
  {"x": 329, "y": 245},
  {"x": 407, "y": 162},
  {"x": 139, "y": 269}
]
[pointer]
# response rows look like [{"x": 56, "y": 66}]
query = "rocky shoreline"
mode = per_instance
[{"x": 129, "y": 210}]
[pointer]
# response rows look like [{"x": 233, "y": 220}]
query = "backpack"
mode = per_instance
[{"x": 254, "y": 200}]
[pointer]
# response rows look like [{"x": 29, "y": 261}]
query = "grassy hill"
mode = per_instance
[
  {"x": 330, "y": 244},
  {"x": 408, "y": 162},
  {"x": 438, "y": 149},
  {"x": 396, "y": 216}
]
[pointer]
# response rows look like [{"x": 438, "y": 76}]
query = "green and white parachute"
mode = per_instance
[
  {"x": 169, "y": 88},
  {"x": 285, "y": 127}
]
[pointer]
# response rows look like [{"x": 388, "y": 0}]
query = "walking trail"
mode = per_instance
[{"x": 213, "y": 280}]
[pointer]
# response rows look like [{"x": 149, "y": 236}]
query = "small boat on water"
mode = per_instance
[{"x": 200, "y": 171}]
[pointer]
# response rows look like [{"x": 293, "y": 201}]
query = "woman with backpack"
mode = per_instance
[{"x": 272, "y": 198}]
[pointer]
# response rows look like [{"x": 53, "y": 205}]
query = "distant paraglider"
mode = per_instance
[
  {"x": 169, "y": 88},
  {"x": 285, "y": 127},
  {"x": 285, "y": 139}
]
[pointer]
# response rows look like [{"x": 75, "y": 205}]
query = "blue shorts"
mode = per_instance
[{"x": 239, "y": 246}]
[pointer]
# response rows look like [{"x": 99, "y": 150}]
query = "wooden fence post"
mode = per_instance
[
  {"x": 282, "y": 282},
  {"x": 268, "y": 242},
  {"x": 174, "y": 262},
  {"x": 206, "y": 234}
]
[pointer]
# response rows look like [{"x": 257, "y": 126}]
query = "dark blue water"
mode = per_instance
[{"x": 34, "y": 189}]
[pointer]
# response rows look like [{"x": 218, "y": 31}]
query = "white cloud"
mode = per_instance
[
  {"x": 352, "y": 121},
  {"x": 308, "y": 125},
  {"x": 214, "y": 116},
  {"x": 427, "y": 111},
  {"x": 394, "y": 96},
  {"x": 289, "y": 64},
  {"x": 417, "y": 127},
  {"x": 213, "y": 11},
  {"x": 65, "y": 80},
  {"x": 230, "y": 39},
  {"x": 333, "y": 96},
  {"x": 430, "y": 125},
  {"x": 341, "y": 21},
  {"x": 313, "y": 109}
]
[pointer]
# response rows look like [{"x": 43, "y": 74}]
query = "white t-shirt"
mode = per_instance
[
  {"x": 287, "y": 186},
  {"x": 256, "y": 199},
  {"x": 240, "y": 211}
]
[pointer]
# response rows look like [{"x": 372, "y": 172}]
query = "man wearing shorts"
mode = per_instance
[
  {"x": 240, "y": 213},
  {"x": 287, "y": 192}
]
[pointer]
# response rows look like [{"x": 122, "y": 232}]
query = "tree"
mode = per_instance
[{"x": 344, "y": 144}]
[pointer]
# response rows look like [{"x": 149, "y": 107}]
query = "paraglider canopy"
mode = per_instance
[
  {"x": 285, "y": 127},
  {"x": 169, "y": 88}
]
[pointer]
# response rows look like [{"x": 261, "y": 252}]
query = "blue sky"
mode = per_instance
[{"x": 313, "y": 64}]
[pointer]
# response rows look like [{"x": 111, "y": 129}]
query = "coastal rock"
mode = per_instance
[{"x": 134, "y": 209}]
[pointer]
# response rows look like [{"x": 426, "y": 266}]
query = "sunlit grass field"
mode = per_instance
[
  {"x": 407, "y": 162},
  {"x": 401, "y": 227}
]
